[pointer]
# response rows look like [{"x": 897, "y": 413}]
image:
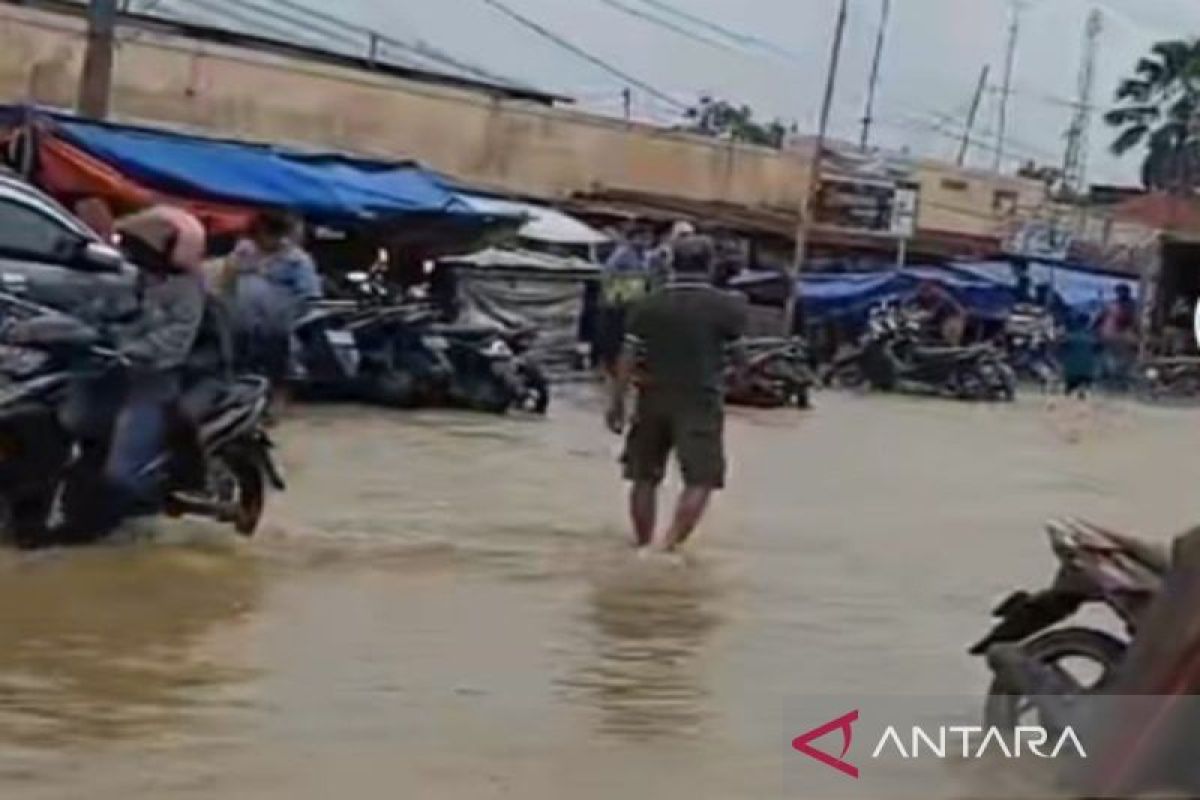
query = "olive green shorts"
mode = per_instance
[{"x": 691, "y": 426}]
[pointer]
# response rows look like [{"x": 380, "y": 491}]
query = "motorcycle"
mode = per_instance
[
  {"x": 772, "y": 372},
  {"x": 44, "y": 472},
  {"x": 475, "y": 367},
  {"x": 1096, "y": 567},
  {"x": 411, "y": 358},
  {"x": 1029, "y": 338},
  {"x": 1170, "y": 379},
  {"x": 892, "y": 357}
]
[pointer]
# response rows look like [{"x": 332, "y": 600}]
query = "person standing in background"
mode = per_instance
[
  {"x": 660, "y": 258},
  {"x": 1118, "y": 331},
  {"x": 270, "y": 280},
  {"x": 623, "y": 283}
]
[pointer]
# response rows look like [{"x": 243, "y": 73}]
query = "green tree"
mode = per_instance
[
  {"x": 1157, "y": 109},
  {"x": 724, "y": 120}
]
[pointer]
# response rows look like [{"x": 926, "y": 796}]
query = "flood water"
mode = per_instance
[{"x": 443, "y": 606}]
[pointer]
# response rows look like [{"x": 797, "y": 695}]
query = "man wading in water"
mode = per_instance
[{"x": 677, "y": 343}]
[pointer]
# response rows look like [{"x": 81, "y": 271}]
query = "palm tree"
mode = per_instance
[{"x": 1158, "y": 108}]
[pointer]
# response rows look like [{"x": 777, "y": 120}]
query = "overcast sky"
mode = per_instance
[{"x": 935, "y": 51}]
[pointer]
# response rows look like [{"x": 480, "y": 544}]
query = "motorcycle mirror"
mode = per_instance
[{"x": 101, "y": 257}]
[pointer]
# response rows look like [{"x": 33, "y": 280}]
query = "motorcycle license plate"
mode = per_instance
[{"x": 340, "y": 338}]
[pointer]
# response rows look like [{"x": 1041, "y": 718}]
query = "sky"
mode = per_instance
[{"x": 934, "y": 53}]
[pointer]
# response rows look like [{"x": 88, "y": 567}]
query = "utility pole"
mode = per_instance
[
  {"x": 95, "y": 83},
  {"x": 869, "y": 114},
  {"x": 975, "y": 101},
  {"x": 1014, "y": 33},
  {"x": 813, "y": 184},
  {"x": 1075, "y": 164}
]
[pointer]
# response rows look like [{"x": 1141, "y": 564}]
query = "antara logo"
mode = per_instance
[{"x": 954, "y": 741}]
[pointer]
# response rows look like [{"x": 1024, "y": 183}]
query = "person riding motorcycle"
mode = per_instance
[{"x": 123, "y": 418}]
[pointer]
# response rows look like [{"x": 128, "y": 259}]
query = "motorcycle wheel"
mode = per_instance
[
  {"x": 1007, "y": 388},
  {"x": 970, "y": 385},
  {"x": 536, "y": 397},
  {"x": 394, "y": 389},
  {"x": 23, "y": 520},
  {"x": 487, "y": 395},
  {"x": 1005, "y": 710},
  {"x": 800, "y": 396},
  {"x": 237, "y": 480}
]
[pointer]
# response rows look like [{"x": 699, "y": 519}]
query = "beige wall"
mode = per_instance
[
  {"x": 511, "y": 145},
  {"x": 508, "y": 145},
  {"x": 974, "y": 202}
]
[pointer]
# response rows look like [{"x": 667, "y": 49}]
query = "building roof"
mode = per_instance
[
  {"x": 1161, "y": 211},
  {"x": 417, "y": 64}
]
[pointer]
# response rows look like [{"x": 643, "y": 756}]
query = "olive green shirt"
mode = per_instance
[{"x": 683, "y": 332}]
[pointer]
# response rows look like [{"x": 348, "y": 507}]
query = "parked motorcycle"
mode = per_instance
[
  {"x": 1096, "y": 567},
  {"x": 475, "y": 367},
  {"x": 772, "y": 372},
  {"x": 43, "y": 473},
  {"x": 1170, "y": 379},
  {"x": 1030, "y": 335},
  {"x": 378, "y": 348},
  {"x": 893, "y": 357}
]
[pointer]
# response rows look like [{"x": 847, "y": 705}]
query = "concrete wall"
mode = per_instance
[
  {"x": 509, "y": 145},
  {"x": 974, "y": 202},
  {"x": 517, "y": 146}
]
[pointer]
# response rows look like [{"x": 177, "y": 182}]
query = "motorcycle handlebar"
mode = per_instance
[{"x": 60, "y": 329}]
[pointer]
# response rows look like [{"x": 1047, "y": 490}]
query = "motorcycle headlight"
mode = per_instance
[{"x": 1153, "y": 374}]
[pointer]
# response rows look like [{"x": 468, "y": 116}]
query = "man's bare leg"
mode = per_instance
[
  {"x": 693, "y": 502},
  {"x": 643, "y": 510}
]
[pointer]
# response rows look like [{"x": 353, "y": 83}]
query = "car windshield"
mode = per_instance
[{"x": 30, "y": 195}]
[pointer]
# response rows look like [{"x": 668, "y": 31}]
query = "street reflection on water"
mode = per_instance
[{"x": 444, "y": 606}]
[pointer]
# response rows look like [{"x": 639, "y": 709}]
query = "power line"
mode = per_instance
[
  {"x": 420, "y": 48},
  {"x": 222, "y": 13},
  {"x": 645, "y": 16},
  {"x": 569, "y": 46},
  {"x": 741, "y": 38}
]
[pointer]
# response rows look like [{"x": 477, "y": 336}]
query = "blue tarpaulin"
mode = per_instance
[
  {"x": 322, "y": 187},
  {"x": 985, "y": 289},
  {"x": 1081, "y": 288}
]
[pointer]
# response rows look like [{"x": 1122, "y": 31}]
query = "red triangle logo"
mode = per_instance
[{"x": 804, "y": 743}]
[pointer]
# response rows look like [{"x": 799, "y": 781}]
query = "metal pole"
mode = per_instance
[
  {"x": 966, "y": 142},
  {"x": 373, "y": 49},
  {"x": 95, "y": 83},
  {"x": 869, "y": 113},
  {"x": 812, "y": 186},
  {"x": 1014, "y": 32},
  {"x": 902, "y": 252}
]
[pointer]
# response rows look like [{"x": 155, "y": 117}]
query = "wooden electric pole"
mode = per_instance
[
  {"x": 975, "y": 101},
  {"x": 1010, "y": 57},
  {"x": 813, "y": 183},
  {"x": 95, "y": 83},
  {"x": 873, "y": 84}
]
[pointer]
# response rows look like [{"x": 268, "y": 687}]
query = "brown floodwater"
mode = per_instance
[{"x": 443, "y": 606}]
